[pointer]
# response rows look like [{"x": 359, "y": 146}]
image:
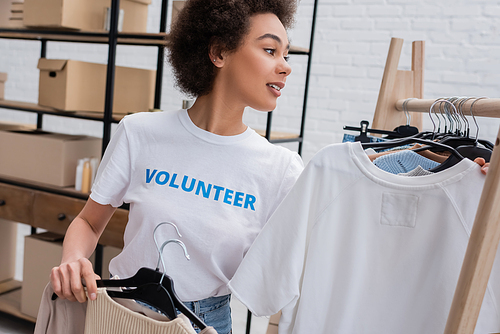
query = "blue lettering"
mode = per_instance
[
  {"x": 228, "y": 195},
  {"x": 149, "y": 176},
  {"x": 188, "y": 184},
  {"x": 184, "y": 182},
  {"x": 159, "y": 180},
  {"x": 238, "y": 198},
  {"x": 217, "y": 192},
  {"x": 249, "y": 201},
  {"x": 201, "y": 187},
  {"x": 172, "y": 181}
]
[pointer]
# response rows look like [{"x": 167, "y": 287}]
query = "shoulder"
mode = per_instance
[
  {"x": 148, "y": 117},
  {"x": 275, "y": 158},
  {"x": 275, "y": 151},
  {"x": 144, "y": 123}
]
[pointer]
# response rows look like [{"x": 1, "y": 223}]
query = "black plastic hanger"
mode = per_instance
[
  {"x": 145, "y": 276},
  {"x": 364, "y": 130},
  {"x": 411, "y": 140},
  {"x": 148, "y": 275},
  {"x": 154, "y": 294}
]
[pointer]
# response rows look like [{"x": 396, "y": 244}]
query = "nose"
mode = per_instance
[{"x": 284, "y": 68}]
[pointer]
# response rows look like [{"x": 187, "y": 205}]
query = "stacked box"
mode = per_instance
[
  {"x": 87, "y": 15},
  {"x": 80, "y": 86},
  {"x": 44, "y": 156}
]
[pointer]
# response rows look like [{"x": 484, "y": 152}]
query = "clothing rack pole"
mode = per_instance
[
  {"x": 485, "y": 107},
  {"x": 480, "y": 254}
]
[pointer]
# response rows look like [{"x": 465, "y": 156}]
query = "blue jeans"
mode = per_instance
[{"x": 213, "y": 311}]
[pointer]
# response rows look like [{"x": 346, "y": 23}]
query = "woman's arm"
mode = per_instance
[{"x": 79, "y": 243}]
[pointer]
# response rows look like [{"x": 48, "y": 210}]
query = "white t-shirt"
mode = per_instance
[
  {"x": 354, "y": 250},
  {"x": 218, "y": 190}
]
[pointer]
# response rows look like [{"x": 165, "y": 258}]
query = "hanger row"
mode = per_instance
[{"x": 482, "y": 106}]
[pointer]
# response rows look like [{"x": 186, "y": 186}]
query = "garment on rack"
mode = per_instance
[
  {"x": 403, "y": 161},
  {"x": 418, "y": 171},
  {"x": 107, "y": 316},
  {"x": 352, "y": 138},
  {"x": 354, "y": 250}
]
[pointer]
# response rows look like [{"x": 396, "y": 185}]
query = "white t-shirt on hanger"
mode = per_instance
[
  {"x": 218, "y": 190},
  {"x": 355, "y": 250}
]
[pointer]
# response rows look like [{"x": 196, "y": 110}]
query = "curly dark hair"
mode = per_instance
[{"x": 202, "y": 24}]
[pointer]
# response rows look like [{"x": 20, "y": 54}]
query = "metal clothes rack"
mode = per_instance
[{"x": 396, "y": 87}]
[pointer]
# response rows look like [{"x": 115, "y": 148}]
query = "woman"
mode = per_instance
[{"x": 202, "y": 169}]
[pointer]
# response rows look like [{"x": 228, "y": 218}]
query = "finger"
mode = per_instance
[
  {"x": 480, "y": 161},
  {"x": 484, "y": 169},
  {"x": 66, "y": 283},
  {"x": 76, "y": 282},
  {"x": 89, "y": 276},
  {"x": 55, "y": 281}
]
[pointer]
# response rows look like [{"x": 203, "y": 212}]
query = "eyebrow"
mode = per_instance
[{"x": 273, "y": 36}]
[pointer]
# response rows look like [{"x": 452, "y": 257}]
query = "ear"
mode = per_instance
[{"x": 216, "y": 53}]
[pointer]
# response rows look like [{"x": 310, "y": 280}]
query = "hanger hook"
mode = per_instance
[
  {"x": 405, "y": 109},
  {"x": 440, "y": 101},
  {"x": 455, "y": 125},
  {"x": 430, "y": 116},
  {"x": 473, "y": 117},
  {"x": 467, "y": 124},
  {"x": 160, "y": 249},
  {"x": 458, "y": 116},
  {"x": 431, "y": 110},
  {"x": 160, "y": 256},
  {"x": 165, "y": 223},
  {"x": 440, "y": 113}
]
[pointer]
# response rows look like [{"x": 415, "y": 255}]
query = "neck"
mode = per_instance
[{"x": 214, "y": 115}]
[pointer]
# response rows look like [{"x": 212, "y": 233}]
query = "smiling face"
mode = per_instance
[{"x": 256, "y": 72}]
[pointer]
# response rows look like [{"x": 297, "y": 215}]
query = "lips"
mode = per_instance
[{"x": 278, "y": 88}]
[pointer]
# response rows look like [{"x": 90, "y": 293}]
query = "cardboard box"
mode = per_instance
[
  {"x": 8, "y": 241},
  {"x": 108, "y": 253},
  {"x": 44, "y": 156},
  {"x": 5, "y": 12},
  {"x": 75, "y": 85},
  {"x": 42, "y": 252},
  {"x": 3, "y": 79},
  {"x": 87, "y": 15}
]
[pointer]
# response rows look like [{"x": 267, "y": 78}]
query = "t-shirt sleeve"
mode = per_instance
[
  {"x": 290, "y": 176},
  {"x": 268, "y": 278},
  {"x": 113, "y": 175}
]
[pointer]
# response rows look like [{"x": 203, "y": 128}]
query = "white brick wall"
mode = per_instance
[{"x": 351, "y": 43}]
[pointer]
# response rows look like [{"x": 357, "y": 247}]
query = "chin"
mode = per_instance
[{"x": 266, "y": 108}]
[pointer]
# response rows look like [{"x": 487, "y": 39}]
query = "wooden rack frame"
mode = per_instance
[
  {"x": 396, "y": 87},
  {"x": 399, "y": 84}
]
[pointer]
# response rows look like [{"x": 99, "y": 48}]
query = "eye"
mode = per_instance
[
  {"x": 270, "y": 51},
  {"x": 287, "y": 58}
]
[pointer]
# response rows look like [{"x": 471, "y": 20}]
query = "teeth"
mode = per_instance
[{"x": 274, "y": 86}]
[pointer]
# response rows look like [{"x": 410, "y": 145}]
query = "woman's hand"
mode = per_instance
[
  {"x": 79, "y": 242},
  {"x": 67, "y": 280},
  {"x": 484, "y": 165}
]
